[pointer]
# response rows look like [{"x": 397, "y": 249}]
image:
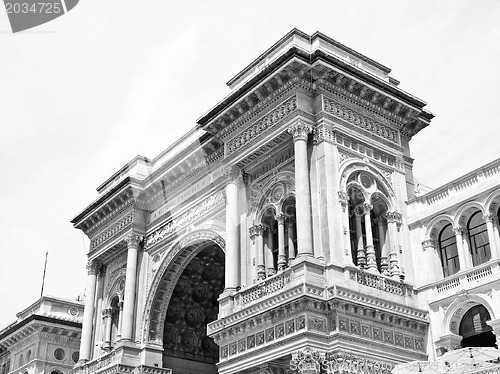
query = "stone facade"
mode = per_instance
[
  {"x": 45, "y": 338},
  {"x": 276, "y": 231}
]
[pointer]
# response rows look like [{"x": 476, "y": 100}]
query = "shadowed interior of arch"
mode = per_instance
[
  {"x": 474, "y": 330},
  {"x": 194, "y": 304}
]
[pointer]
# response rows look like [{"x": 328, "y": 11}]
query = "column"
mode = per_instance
[
  {"x": 384, "y": 249},
  {"x": 360, "y": 248},
  {"x": 291, "y": 239},
  {"x": 344, "y": 202},
  {"x": 393, "y": 219},
  {"x": 259, "y": 247},
  {"x": 232, "y": 237},
  {"x": 120, "y": 320},
  {"x": 88, "y": 314},
  {"x": 463, "y": 256},
  {"x": 300, "y": 132},
  {"x": 269, "y": 252},
  {"x": 371, "y": 259},
  {"x": 253, "y": 255},
  {"x": 107, "y": 315},
  {"x": 489, "y": 218},
  {"x": 130, "y": 285},
  {"x": 280, "y": 218}
]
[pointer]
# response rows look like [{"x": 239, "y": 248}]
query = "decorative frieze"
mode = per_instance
[
  {"x": 115, "y": 229},
  {"x": 262, "y": 126},
  {"x": 360, "y": 121},
  {"x": 177, "y": 224}
]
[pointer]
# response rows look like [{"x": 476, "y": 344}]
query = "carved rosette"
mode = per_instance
[{"x": 299, "y": 131}]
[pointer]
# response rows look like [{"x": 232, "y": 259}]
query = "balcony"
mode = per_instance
[{"x": 464, "y": 280}]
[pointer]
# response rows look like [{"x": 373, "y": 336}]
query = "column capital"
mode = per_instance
[
  {"x": 299, "y": 130},
  {"x": 367, "y": 208},
  {"x": 458, "y": 230},
  {"x": 259, "y": 230},
  {"x": 251, "y": 232},
  {"x": 489, "y": 217},
  {"x": 428, "y": 243},
  {"x": 359, "y": 211},
  {"x": 133, "y": 240},
  {"x": 93, "y": 267},
  {"x": 380, "y": 220},
  {"x": 343, "y": 199},
  {"x": 280, "y": 218},
  {"x": 107, "y": 313},
  {"x": 394, "y": 217},
  {"x": 230, "y": 173}
]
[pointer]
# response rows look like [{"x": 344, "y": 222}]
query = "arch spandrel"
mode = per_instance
[
  {"x": 465, "y": 211},
  {"x": 436, "y": 225},
  {"x": 492, "y": 202},
  {"x": 167, "y": 274}
]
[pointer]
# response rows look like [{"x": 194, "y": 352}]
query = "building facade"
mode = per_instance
[
  {"x": 282, "y": 230},
  {"x": 45, "y": 338}
]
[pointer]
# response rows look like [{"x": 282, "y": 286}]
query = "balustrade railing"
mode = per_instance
[
  {"x": 464, "y": 278},
  {"x": 99, "y": 363},
  {"x": 381, "y": 282},
  {"x": 266, "y": 287}
]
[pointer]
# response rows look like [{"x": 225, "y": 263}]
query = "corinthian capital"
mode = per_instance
[
  {"x": 458, "y": 230},
  {"x": 280, "y": 218},
  {"x": 299, "y": 130},
  {"x": 93, "y": 267},
  {"x": 230, "y": 173},
  {"x": 133, "y": 240}
]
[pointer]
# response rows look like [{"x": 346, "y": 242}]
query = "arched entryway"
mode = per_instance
[
  {"x": 474, "y": 330},
  {"x": 187, "y": 348}
]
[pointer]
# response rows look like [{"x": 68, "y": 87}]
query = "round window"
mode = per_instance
[
  {"x": 59, "y": 354},
  {"x": 75, "y": 356}
]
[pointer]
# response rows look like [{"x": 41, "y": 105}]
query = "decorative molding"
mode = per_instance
[
  {"x": 115, "y": 229},
  {"x": 177, "y": 224},
  {"x": 262, "y": 126},
  {"x": 360, "y": 121}
]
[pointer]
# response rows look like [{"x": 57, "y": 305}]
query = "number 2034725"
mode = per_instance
[{"x": 48, "y": 8}]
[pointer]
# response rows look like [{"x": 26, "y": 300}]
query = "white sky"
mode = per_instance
[{"x": 82, "y": 95}]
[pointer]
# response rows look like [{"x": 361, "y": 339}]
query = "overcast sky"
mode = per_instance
[{"x": 82, "y": 95}]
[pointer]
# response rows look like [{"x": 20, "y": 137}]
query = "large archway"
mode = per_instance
[{"x": 193, "y": 304}]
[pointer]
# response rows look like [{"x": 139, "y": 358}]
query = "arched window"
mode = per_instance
[
  {"x": 448, "y": 251},
  {"x": 474, "y": 330},
  {"x": 372, "y": 251},
  {"x": 478, "y": 238},
  {"x": 115, "y": 318}
]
